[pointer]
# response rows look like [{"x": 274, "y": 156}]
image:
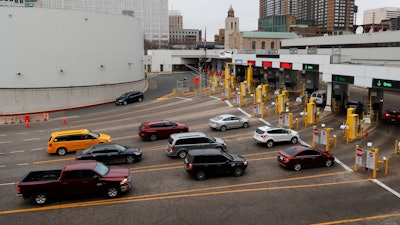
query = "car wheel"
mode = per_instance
[
  {"x": 40, "y": 198},
  {"x": 125, "y": 102},
  {"x": 61, "y": 151},
  {"x": 112, "y": 192},
  {"x": 294, "y": 140},
  {"x": 200, "y": 175},
  {"x": 153, "y": 137},
  {"x": 297, "y": 167},
  {"x": 182, "y": 154},
  {"x": 129, "y": 159},
  {"x": 219, "y": 148},
  {"x": 328, "y": 163},
  {"x": 238, "y": 171},
  {"x": 246, "y": 125},
  {"x": 223, "y": 128},
  {"x": 270, "y": 143}
]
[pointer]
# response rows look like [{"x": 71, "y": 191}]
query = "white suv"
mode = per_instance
[{"x": 269, "y": 135}]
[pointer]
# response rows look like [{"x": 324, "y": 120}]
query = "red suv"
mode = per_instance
[{"x": 153, "y": 130}]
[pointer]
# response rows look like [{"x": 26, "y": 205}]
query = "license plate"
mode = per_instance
[{"x": 282, "y": 157}]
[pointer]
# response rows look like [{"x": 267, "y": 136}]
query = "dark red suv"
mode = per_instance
[{"x": 157, "y": 129}]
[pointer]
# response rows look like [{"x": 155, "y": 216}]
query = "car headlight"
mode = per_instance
[
  {"x": 245, "y": 163},
  {"x": 124, "y": 181},
  {"x": 137, "y": 153}
]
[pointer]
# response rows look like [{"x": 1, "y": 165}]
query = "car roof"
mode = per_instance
[
  {"x": 78, "y": 165},
  {"x": 211, "y": 151},
  {"x": 188, "y": 134},
  {"x": 68, "y": 132},
  {"x": 300, "y": 148},
  {"x": 225, "y": 115},
  {"x": 155, "y": 121},
  {"x": 269, "y": 127}
]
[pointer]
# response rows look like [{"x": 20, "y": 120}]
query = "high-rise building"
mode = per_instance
[
  {"x": 175, "y": 20},
  {"x": 375, "y": 16},
  {"x": 153, "y": 13},
  {"x": 332, "y": 15}
]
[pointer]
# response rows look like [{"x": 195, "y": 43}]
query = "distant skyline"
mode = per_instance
[{"x": 211, "y": 14}]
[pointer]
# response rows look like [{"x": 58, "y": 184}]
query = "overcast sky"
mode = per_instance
[{"x": 211, "y": 14}]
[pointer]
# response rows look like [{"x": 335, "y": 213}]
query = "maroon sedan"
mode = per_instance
[
  {"x": 298, "y": 157},
  {"x": 157, "y": 129}
]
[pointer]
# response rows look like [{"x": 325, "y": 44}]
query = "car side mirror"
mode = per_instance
[{"x": 96, "y": 177}]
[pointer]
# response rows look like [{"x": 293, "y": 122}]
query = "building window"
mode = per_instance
[
  {"x": 272, "y": 45},
  {"x": 253, "y": 45},
  {"x": 263, "y": 45}
]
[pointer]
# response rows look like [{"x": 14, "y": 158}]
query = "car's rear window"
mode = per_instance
[
  {"x": 290, "y": 151},
  {"x": 259, "y": 131},
  {"x": 170, "y": 140}
]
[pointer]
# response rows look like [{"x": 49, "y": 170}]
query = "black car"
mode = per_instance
[
  {"x": 110, "y": 153},
  {"x": 129, "y": 97},
  {"x": 391, "y": 116},
  {"x": 202, "y": 162}
]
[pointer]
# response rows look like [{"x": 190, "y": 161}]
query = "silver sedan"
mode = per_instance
[{"x": 228, "y": 121}]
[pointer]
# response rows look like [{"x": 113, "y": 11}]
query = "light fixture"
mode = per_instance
[
  {"x": 9, "y": 15},
  {"x": 18, "y": 74},
  {"x": 129, "y": 63},
  {"x": 102, "y": 66},
  {"x": 86, "y": 19},
  {"x": 369, "y": 144},
  {"x": 61, "y": 70}
]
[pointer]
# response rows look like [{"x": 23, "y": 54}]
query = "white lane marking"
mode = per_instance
[
  {"x": 41, "y": 131},
  {"x": 32, "y": 139},
  {"x": 36, "y": 149},
  {"x": 3, "y": 166},
  {"x": 2, "y": 153},
  {"x": 55, "y": 129},
  {"x": 264, "y": 121},
  {"x": 3, "y": 135},
  {"x": 244, "y": 112},
  {"x": 386, "y": 187},
  {"x": 5, "y": 142},
  {"x": 17, "y": 151},
  {"x": 7, "y": 184},
  {"x": 22, "y": 164},
  {"x": 188, "y": 99},
  {"x": 22, "y": 133},
  {"x": 343, "y": 165}
]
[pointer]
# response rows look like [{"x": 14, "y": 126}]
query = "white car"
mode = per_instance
[
  {"x": 228, "y": 121},
  {"x": 269, "y": 135}
]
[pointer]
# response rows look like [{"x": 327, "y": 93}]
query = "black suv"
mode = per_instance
[{"x": 201, "y": 162}]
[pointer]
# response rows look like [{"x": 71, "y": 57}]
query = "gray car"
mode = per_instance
[
  {"x": 180, "y": 143},
  {"x": 228, "y": 121}
]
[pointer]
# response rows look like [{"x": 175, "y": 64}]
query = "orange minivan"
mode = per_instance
[{"x": 62, "y": 142}]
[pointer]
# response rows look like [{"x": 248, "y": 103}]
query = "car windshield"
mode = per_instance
[
  {"x": 217, "y": 118},
  {"x": 290, "y": 151},
  {"x": 211, "y": 137},
  {"x": 124, "y": 95},
  {"x": 227, "y": 156},
  {"x": 94, "y": 134},
  {"x": 120, "y": 147},
  {"x": 101, "y": 169}
]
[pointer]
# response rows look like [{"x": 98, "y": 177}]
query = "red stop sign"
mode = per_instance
[
  {"x": 316, "y": 131},
  {"x": 359, "y": 152},
  {"x": 196, "y": 80},
  {"x": 281, "y": 115}
]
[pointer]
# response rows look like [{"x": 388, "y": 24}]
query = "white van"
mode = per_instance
[{"x": 319, "y": 96}]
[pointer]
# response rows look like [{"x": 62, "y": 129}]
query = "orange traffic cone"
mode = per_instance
[
  {"x": 65, "y": 121},
  {"x": 12, "y": 120},
  {"x": 27, "y": 125},
  {"x": 366, "y": 133}
]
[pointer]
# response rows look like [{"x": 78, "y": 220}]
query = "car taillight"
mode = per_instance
[
  {"x": 285, "y": 159},
  {"x": 215, "y": 123},
  {"x": 263, "y": 135},
  {"x": 19, "y": 189},
  {"x": 190, "y": 166},
  {"x": 50, "y": 144},
  {"x": 171, "y": 147}
]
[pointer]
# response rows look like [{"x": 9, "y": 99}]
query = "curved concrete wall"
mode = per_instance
[{"x": 57, "y": 59}]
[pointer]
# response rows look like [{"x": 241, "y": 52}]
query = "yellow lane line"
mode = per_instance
[
  {"x": 173, "y": 195},
  {"x": 359, "y": 219}
]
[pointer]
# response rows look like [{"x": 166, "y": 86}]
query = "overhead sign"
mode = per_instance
[
  {"x": 386, "y": 84},
  {"x": 251, "y": 62},
  {"x": 343, "y": 79},
  {"x": 311, "y": 67},
  {"x": 266, "y": 64},
  {"x": 238, "y": 61},
  {"x": 286, "y": 65},
  {"x": 225, "y": 54}
]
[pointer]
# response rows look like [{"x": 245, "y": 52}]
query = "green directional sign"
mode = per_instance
[
  {"x": 311, "y": 67},
  {"x": 386, "y": 84},
  {"x": 343, "y": 79}
]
